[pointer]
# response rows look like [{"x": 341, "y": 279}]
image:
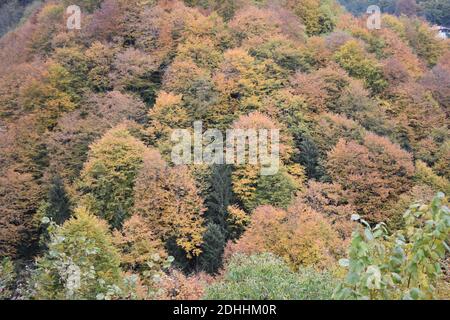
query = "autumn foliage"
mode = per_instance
[
  {"x": 300, "y": 235},
  {"x": 374, "y": 173},
  {"x": 92, "y": 205}
]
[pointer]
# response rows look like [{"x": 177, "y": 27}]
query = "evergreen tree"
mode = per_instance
[
  {"x": 58, "y": 209},
  {"x": 309, "y": 158},
  {"x": 277, "y": 190},
  {"x": 212, "y": 250},
  {"x": 220, "y": 197},
  {"x": 217, "y": 230}
]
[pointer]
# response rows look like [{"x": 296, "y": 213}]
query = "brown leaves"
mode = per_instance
[
  {"x": 373, "y": 173},
  {"x": 331, "y": 200},
  {"x": 177, "y": 286},
  {"x": 138, "y": 243},
  {"x": 321, "y": 88},
  {"x": 253, "y": 22},
  {"x": 19, "y": 197}
]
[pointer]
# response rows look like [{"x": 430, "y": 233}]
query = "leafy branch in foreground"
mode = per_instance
[{"x": 404, "y": 265}]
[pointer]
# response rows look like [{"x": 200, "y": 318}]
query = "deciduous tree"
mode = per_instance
[
  {"x": 81, "y": 263},
  {"x": 107, "y": 179},
  {"x": 167, "y": 199},
  {"x": 373, "y": 173},
  {"x": 301, "y": 236}
]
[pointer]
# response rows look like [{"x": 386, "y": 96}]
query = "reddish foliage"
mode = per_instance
[{"x": 373, "y": 173}]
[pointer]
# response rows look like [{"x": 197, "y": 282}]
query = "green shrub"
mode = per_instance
[
  {"x": 405, "y": 265},
  {"x": 81, "y": 262},
  {"x": 267, "y": 277}
]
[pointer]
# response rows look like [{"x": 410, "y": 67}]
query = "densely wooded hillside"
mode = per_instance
[{"x": 93, "y": 207}]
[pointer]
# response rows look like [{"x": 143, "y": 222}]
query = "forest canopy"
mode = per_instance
[{"x": 92, "y": 205}]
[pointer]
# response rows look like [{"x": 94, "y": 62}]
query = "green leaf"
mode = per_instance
[
  {"x": 374, "y": 278},
  {"x": 344, "y": 263},
  {"x": 446, "y": 246},
  {"x": 352, "y": 278},
  {"x": 396, "y": 277},
  {"x": 368, "y": 234},
  {"x": 415, "y": 293}
]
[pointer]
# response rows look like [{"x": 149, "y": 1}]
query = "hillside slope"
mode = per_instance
[{"x": 87, "y": 180}]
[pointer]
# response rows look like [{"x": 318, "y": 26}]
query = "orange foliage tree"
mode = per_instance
[
  {"x": 168, "y": 201},
  {"x": 373, "y": 173},
  {"x": 19, "y": 199},
  {"x": 300, "y": 235},
  {"x": 137, "y": 243}
]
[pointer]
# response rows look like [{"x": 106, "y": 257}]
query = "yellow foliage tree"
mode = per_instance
[
  {"x": 300, "y": 235},
  {"x": 167, "y": 199}
]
